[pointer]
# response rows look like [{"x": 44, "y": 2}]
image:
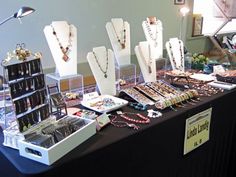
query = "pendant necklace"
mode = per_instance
[
  {"x": 148, "y": 62},
  {"x": 151, "y": 35},
  {"x": 103, "y": 71},
  {"x": 117, "y": 36},
  {"x": 64, "y": 50},
  {"x": 181, "y": 56}
]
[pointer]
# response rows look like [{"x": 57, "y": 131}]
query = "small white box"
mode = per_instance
[{"x": 49, "y": 155}]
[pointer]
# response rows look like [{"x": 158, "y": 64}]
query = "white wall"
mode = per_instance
[{"x": 89, "y": 16}]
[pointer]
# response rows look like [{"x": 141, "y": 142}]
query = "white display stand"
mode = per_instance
[
  {"x": 144, "y": 55},
  {"x": 116, "y": 28},
  {"x": 126, "y": 74},
  {"x": 154, "y": 35},
  {"x": 175, "y": 50},
  {"x": 106, "y": 84},
  {"x": 63, "y": 29},
  {"x": 67, "y": 83}
]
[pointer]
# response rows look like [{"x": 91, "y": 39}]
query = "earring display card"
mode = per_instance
[
  {"x": 39, "y": 82},
  {"x": 35, "y": 66},
  {"x": 21, "y": 106},
  {"x": 13, "y": 72},
  {"x": 24, "y": 69},
  {"x": 44, "y": 112},
  {"x": 27, "y": 90}
]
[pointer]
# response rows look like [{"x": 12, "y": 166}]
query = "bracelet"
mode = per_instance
[
  {"x": 138, "y": 106},
  {"x": 144, "y": 120},
  {"x": 121, "y": 124}
]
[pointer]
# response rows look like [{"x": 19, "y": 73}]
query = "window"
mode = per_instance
[{"x": 212, "y": 16}]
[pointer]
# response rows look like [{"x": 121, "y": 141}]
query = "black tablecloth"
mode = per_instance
[{"x": 154, "y": 150}]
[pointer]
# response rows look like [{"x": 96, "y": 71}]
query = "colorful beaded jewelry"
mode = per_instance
[
  {"x": 138, "y": 106},
  {"x": 144, "y": 120},
  {"x": 121, "y": 124}
]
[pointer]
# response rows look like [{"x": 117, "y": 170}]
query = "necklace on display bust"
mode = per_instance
[
  {"x": 148, "y": 61},
  {"x": 152, "y": 21},
  {"x": 180, "y": 67},
  {"x": 103, "y": 71},
  {"x": 64, "y": 50},
  {"x": 119, "y": 38}
]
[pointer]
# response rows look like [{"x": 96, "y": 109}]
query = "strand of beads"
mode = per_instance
[{"x": 144, "y": 120}]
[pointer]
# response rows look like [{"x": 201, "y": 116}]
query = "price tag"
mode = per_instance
[
  {"x": 218, "y": 69},
  {"x": 90, "y": 96},
  {"x": 102, "y": 120}
]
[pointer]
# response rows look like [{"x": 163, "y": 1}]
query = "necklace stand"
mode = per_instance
[
  {"x": 125, "y": 70},
  {"x": 66, "y": 71},
  {"x": 175, "y": 50},
  {"x": 154, "y": 35},
  {"x": 146, "y": 62},
  {"x": 62, "y": 29},
  {"x": 103, "y": 73}
]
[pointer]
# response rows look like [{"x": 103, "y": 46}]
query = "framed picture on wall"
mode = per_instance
[
  {"x": 179, "y": 2},
  {"x": 197, "y": 25}
]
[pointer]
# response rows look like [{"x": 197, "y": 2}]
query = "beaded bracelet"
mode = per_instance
[
  {"x": 121, "y": 124},
  {"x": 144, "y": 120},
  {"x": 138, "y": 106}
]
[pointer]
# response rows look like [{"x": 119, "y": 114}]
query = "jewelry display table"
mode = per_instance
[{"x": 156, "y": 149}]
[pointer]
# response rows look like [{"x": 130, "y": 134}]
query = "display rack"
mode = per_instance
[
  {"x": 28, "y": 96},
  {"x": 34, "y": 128}
]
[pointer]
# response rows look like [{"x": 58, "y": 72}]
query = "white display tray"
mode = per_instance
[
  {"x": 93, "y": 103},
  {"x": 223, "y": 85},
  {"x": 49, "y": 155},
  {"x": 202, "y": 77}
]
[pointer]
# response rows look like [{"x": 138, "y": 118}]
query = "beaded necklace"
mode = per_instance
[
  {"x": 117, "y": 36},
  {"x": 151, "y": 34},
  {"x": 64, "y": 50},
  {"x": 181, "y": 56},
  {"x": 144, "y": 120},
  {"x": 101, "y": 69},
  {"x": 148, "y": 62}
]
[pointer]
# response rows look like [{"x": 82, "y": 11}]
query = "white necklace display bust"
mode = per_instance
[
  {"x": 102, "y": 64},
  {"x": 61, "y": 35}
]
